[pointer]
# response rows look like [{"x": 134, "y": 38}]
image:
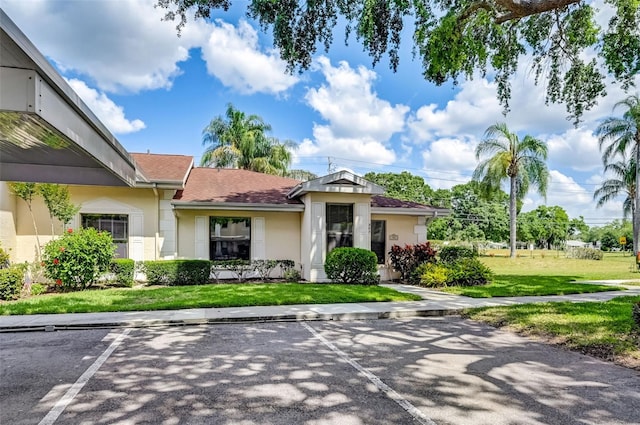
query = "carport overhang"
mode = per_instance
[{"x": 47, "y": 134}]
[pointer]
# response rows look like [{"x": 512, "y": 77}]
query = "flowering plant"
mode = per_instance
[{"x": 77, "y": 259}]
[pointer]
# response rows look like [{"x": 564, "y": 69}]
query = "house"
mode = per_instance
[
  {"x": 161, "y": 206},
  {"x": 176, "y": 210}
]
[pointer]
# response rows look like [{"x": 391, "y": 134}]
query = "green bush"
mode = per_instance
[
  {"x": 406, "y": 259},
  {"x": 291, "y": 275},
  {"x": 264, "y": 268},
  {"x": 122, "y": 271},
  {"x": 77, "y": 259},
  {"x": 240, "y": 268},
  {"x": 451, "y": 254},
  {"x": 464, "y": 272},
  {"x": 433, "y": 275},
  {"x": 352, "y": 266},
  {"x": 38, "y": 288},
  {"x": 11, "y": 281},
  {"x": 4, "y": 258},
  {"x": 177, "y": 272},
  {"x": 469, "y": 272},
  {"x": 585, "y": 253}
]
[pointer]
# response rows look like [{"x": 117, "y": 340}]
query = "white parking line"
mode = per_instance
[
  {"x": 390, "y": 392},
  {"x": 72, "y": 392}
]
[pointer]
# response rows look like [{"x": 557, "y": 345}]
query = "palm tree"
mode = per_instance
[
  {"x": 623, "y": 182},
  {"x": 620, "y": 136},
  {"x": 238, "y": 140},
  {"x": 520, "y": 161}
]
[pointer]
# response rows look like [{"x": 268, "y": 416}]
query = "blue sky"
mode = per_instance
[{"x": 156, "y": 91}]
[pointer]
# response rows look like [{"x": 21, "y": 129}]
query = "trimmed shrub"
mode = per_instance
[
  {"x": 451, "y": 254},
  {"x": 352, "y": 266},
  {"x": 406, "y": 259},
  {"x": 264, "y": 268},
  {"x": 432, "y": 275},
  {"x": 291, "y": 276},
  {"x": 4, "y": 258},
  {"x": 11, "y": 281},
  {"x": 122, "y": 270},
  {"x": 77, "y": 259},
  {"x": 469, "y": 272},
  {"x": 285, "y": 266},
  {"x": 585, "y": 253},
  {"x": 177, "y": 272},
  {"x": 240, "y": 268}
]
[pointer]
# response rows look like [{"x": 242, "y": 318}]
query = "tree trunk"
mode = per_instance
[
  {"x": 35, "y": 228},
  {"x": 512, "y": 217},
  {"x": 636, "y": 201}
]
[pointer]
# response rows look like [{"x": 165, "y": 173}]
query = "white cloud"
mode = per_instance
[
  {"x": 325, "y": 143},
  {"x": 122, "y": 45},
  {"x": 360, "y": 124},
  {"x": 449, "y": 161},
  {"x": 576, "y": 149},
  {"x": 349, "y": 102},
  {"x": 234, "y": 57},
  {"x": 105, "y": 109}
]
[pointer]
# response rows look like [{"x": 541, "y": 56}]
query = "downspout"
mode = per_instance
[{"x": 157, "y": 232}]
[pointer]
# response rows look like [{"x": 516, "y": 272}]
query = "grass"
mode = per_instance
[
  {"x": 506, "y": 285},
  {"x": 615, "y": 265},
  {"x": 549, "y": 273},
  {"x": 200, "y": 296},
  {"x": 604, "y": 329}
]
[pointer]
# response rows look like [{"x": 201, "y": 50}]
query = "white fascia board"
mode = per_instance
[
  {"x": 236, "y": 206},
  {"x": 410, "y": 211}
]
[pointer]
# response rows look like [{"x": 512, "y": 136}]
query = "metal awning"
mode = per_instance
[{"x": 47, "y": 134}]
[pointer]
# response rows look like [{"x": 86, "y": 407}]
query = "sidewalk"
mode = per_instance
[{"x": 434, "y": 303}]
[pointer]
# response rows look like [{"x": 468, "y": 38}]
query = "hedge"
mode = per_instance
[
  {"x": 352, "y": 266},
  {"x": 11, "y": 281},
  {"x": 177, "y": 272},
  {"x": 122, "y": 270}
]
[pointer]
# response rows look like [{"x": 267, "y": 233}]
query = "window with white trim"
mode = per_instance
[
  {"x": 378, "y": 239},
  {"x": 116, "y": 224},
  {"x": 230, "y": 238},
  {"x": 339, "y": 226}
]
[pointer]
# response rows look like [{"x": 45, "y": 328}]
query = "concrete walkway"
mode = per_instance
[{"x": 433, "y": 303}]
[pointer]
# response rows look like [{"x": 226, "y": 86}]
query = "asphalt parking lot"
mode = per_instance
[{"x": 444, "y": 370}]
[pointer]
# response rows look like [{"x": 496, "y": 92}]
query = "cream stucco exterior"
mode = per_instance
[{"x": 161, "y": 228}]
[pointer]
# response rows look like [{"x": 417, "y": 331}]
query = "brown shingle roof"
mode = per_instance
[
  {"x": 163, "y": 168},
  {"x": 378, "y": 201},
  {"x": 230, "y": 185}
]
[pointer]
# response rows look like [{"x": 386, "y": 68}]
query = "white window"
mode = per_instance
[
  {"x": 230, "y": 238},
  {"x": 339, "y": 226},
  {"x": 116, "y": 224}
]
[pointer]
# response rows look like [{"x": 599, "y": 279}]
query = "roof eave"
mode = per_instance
[
  {"x": 411, "y": 211},
  {"x": 241, "y": 206}
]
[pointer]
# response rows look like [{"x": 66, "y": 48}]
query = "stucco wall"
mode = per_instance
[
  {"x": 282, "y": 232},
  {"x": 400, "y": 230},
  {"x": 314, "y": 239},
  {"x": 8, "y": 220},
  {"x": 123, "y": 199}
]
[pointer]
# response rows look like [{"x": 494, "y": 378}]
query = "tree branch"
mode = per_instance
[{"x": 517, "y": 9}]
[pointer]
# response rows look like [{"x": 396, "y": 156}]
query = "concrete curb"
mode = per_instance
[{"x": 299, "y": 317}]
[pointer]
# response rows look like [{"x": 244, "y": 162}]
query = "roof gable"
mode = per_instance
[
  {"x": 339, "y": 182},
  {"x": 162, "y": 168}
]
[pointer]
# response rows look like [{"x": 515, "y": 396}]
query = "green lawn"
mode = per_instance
[
  {"x": 603, "y": 329},
  {"x": 615, "y": 265},
  {"x": 508, "y": 285},
  {"x": 222, "y": 295},
  {"x": 549, "y": 273}
]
